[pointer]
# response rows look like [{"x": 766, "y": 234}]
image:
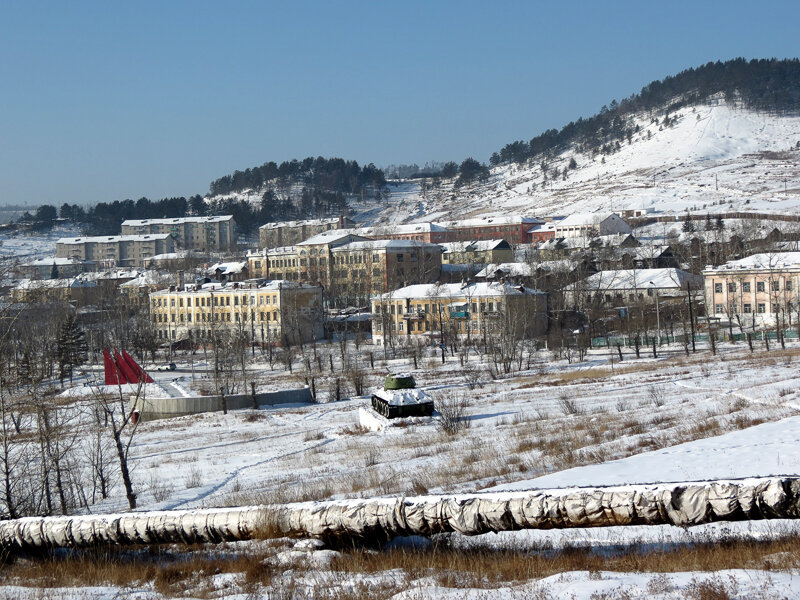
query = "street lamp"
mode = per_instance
[{"x": 658, "y": 317}]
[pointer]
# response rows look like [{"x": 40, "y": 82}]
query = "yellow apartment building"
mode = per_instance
[
  {"x": 440, "y": 311},
  {"x": 756, "y": 292},
  {"x": 362, "y": 269},
  {"x": 267, "y": 312}
]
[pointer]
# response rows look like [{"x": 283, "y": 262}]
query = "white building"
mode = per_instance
[{"x": 590, "y": 225}]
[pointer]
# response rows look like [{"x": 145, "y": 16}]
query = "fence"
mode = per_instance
[
  {"x": 719, "y": 336},
  {"x": 163, "y": 408}
]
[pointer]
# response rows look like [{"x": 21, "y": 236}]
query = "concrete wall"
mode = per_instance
[{"x": 163, "y": 408}]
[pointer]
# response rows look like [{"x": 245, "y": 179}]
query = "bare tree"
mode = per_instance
[{"x": 118, "y": 414}]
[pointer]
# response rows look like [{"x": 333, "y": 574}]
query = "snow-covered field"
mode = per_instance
[{"x": 551, "y": 424}]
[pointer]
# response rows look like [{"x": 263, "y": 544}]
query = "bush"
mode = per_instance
[{"x": 452, "y": 409}]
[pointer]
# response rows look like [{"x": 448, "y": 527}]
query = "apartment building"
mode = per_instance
[
  {"x": 513, "y": 228},
  {"x": 213, "y": 233},
  {"x": 53, "y": 268},
  {"x": 756, "y": 292},
  {"x": 267, "y": 311},
  {"x": 441, "y": 311},
  {"x": 75, "y": 290},
  {"x": 115, "y": 250},
  {"x": 432, "y": 233},
  {"x": 361, "y": 269},
  {"x": 288, "y": 233}
]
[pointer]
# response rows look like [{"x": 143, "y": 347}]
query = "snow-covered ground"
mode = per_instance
[{"x": 553, "y": 424}]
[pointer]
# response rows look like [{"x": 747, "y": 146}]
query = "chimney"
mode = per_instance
[
  {"x": 341, "y": 222},
  {"x": 180, "y": 280}
]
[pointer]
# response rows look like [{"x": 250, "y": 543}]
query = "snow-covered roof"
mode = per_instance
[
  {"x": 401, "y": 229},
  {"x": 385, "y": 245},
  {"x": 474, "y": 246},
  {"x": 112, "y": 274},
  {"x": 512, "y": 269},
  {"x": 50, "y": 261},
  {"x": 762, "y": 261},
  {"x": 494, "y": 220},
  {"x": 180, "y": 254},
  {"x": 549, "y": 226},
  {"x": 101, "y": 239},
  {"x": 307, "y": 222},
  {"x": 585, "y": 219},
  {"x": 641, "y": 279},
  {"x": 229, "y": 268},
  {"x": 40, "y": 284},
  {"x": 326, "y": 237},
  {"x": 145, "y": 278},
  {"x": 457, "y": 290},
  {"x": 243, "y": 286},
  {"x": 177, "y": 221}
]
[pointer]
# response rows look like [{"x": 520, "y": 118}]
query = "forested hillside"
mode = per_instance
[{"x": 764, "y": 85}]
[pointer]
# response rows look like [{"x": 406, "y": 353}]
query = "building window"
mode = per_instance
[
  {"x": 760, "y": 286},
  {"x": 746, "y": 287},
  {"x": 761, "y": 308},
  {"x": 399, "y": 258},
  {"x": 776, "y": 286},
  {"x": 748, "y": 308},
  {"x": 718, "y": 309},
  {"x": 731, "y": 287},
  {"x": 774, "y": 308},
  {"x": 717, "y": 288},
  {"x": 788, "y": 285}
]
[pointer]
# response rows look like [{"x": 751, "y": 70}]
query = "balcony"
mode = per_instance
[{"x": 459, "y": 314}]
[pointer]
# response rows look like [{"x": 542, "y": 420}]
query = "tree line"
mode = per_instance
[{"x": 330, "y": 174}]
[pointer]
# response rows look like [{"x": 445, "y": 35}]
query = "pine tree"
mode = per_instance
[
  {"x": 720, "y": 224},
  {"x": 71, "y": 348},
  {"x": 688, "y": 225}
]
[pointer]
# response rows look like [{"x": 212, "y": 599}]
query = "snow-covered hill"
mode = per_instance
[{"x": 712, "y": 157}]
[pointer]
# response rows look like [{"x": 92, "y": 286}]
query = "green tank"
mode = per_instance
[
  {"x": 400, "y": 398},
  {"x": 401, "y": 381}
]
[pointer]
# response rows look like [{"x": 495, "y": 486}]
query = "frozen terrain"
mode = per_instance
[{"x": 552, "y": 424}]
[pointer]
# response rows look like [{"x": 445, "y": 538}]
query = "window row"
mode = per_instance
[{"x": 761, "y": 286}]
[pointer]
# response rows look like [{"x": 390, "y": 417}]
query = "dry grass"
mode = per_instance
[
  {"x": 486, "y": 568},
  {"x": 175, "y": 572}
]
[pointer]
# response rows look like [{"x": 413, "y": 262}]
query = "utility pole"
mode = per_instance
[
  {"x": 658, "y": 316},
  {"x": 441, "y": 330},
  {"x": 691, "y": 315}
]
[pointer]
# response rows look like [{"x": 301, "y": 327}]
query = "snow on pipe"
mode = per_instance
[{"x": 378, "y": 519}]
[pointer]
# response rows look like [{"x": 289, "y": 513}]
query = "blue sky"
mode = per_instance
[{"x": 102, "y": 101}]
